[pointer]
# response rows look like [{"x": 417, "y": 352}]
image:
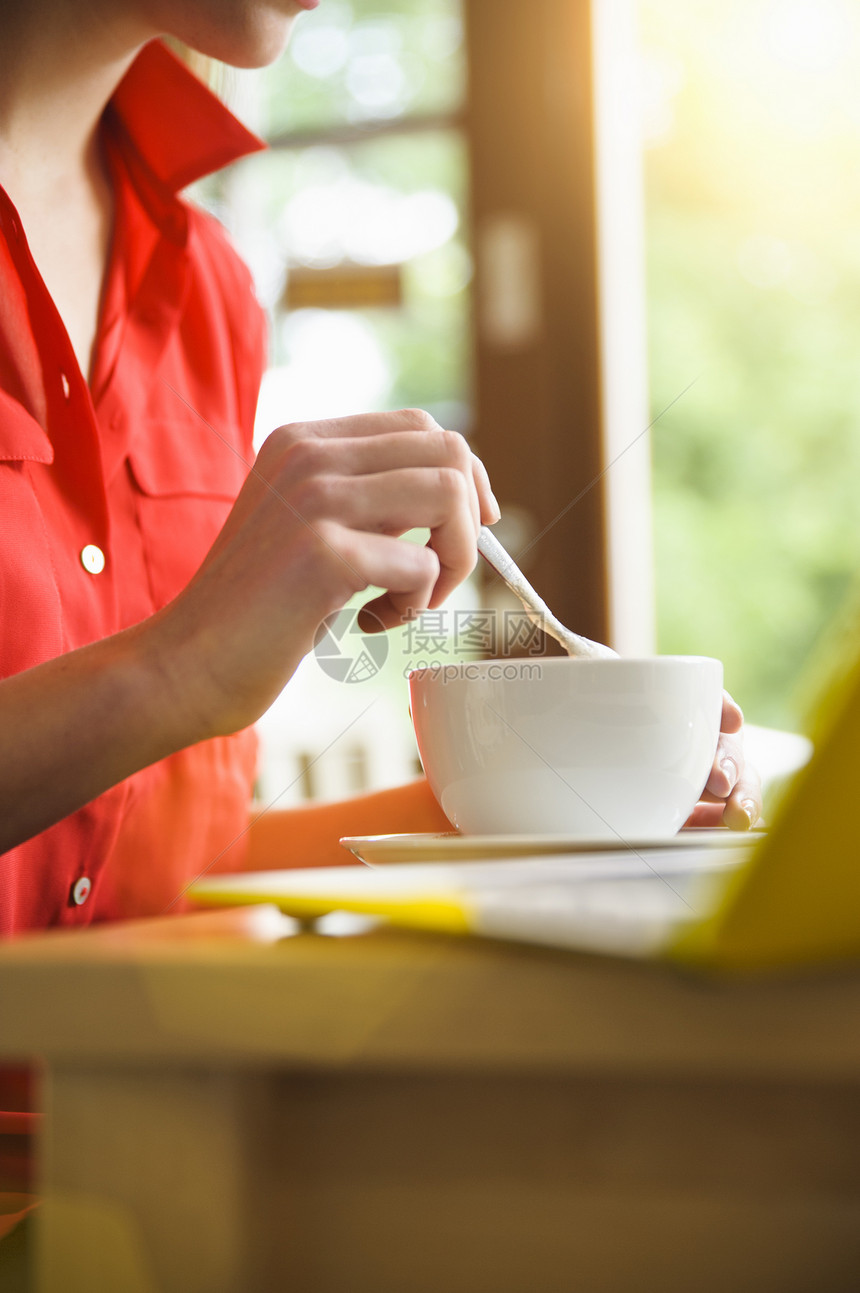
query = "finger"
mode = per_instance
[
  {"x": 373, "y": 456},
  {"x": 707, "y": 814},
  {"x": 740, "y": 810},
  {"x": 391, "y": 611},
  {"x": 408, "y": 571},
  {"x": 387, "y": 451},
  {"x": 743, "y": 807},
  {"x": 395, "y": 501},
  {"x": 395, "y": 609},
  {"x": 727, "y": 767},
  {"x": 490, "y": 510},
  {"x": 732, "y": 719},
  {"x": 355, "y": 426}
]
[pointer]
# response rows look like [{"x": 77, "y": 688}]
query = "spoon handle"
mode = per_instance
[{"x": 501, "y": 561}]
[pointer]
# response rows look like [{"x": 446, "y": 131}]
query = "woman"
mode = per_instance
[
  {"x": 159, "y": 587},
  {"x": 132, "y": 350}
]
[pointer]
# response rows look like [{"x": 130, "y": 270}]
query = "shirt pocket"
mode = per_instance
[{"x": 185, "y": 477}]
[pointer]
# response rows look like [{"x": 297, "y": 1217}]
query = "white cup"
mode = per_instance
[{"x": 591, "y": 749}]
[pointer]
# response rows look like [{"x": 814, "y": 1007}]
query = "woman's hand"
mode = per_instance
[
  {"x": 732, "y": 796},
  {"x": 319, "y": 519}
]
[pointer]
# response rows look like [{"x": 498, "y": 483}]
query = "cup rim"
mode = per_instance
[{"x": 450, "y": 669}]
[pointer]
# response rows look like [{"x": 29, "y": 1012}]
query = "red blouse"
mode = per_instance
[{"x": 112, "y": 493}]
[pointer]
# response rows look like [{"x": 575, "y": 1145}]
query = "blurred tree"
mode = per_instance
[{"x": 753, "y": 209}]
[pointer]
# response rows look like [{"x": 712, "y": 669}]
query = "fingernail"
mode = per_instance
[
  {"x": 730, "y": 768},
  {"x": 495, "y": 503},
  {"x": 751, "y": 811}
]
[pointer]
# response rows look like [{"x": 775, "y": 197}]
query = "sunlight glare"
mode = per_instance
[
  {"x": 336, "y": 367},
  {"x": 811, "y": 36}
]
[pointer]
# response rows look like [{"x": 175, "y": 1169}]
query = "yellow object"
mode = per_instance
[
  {"x": 797, "y": 899},
  {"x": 409, "y": 901}
]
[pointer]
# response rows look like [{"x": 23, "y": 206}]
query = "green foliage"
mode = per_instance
[
  {"x": 754, "y": 290},
  {"x": 354, "y": 60}
]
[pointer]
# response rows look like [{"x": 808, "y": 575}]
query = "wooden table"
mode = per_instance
[{"x": 230, "y": 1111}]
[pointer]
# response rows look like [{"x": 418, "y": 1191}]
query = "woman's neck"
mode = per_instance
[{"x": 60, "y": 61}]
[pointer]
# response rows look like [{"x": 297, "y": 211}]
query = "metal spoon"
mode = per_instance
[{"x": 538, "y": 611}]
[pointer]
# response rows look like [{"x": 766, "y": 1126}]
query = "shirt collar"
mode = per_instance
[{"x": 180, "y": 129}]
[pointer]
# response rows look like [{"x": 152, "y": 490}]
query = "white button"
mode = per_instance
[
  {"x": 64, "y": 379},
  {"x": 93, "y": 559},
  {"x": 81, "y": 890}
]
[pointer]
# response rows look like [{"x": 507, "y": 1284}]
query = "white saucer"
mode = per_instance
[{"x": 390, "y": 850}]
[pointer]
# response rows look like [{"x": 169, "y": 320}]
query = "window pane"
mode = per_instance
[
  {"x": 390, "y": 200},
  {"x": 753, "y": 210},
  {"x": 355, "y": 61}
]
